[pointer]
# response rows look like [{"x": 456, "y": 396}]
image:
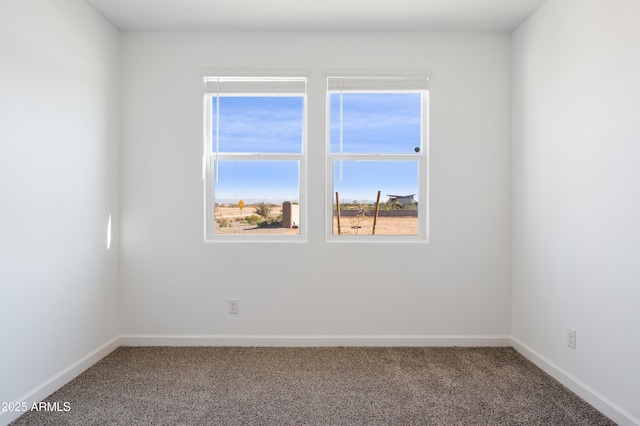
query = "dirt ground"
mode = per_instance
[
  {"x": 388, "y": 225},
  {"x": 241, "y": 228},
  {"x": 384, "y": 225},
  {"x": 235, "y": 211}
]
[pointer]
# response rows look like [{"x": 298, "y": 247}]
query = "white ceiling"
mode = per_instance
[{"x": 316, "y": 15}]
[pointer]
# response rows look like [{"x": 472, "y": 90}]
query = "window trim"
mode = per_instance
[
  {"x": 211, "y": 156},
  {"x": 422, "y": 158}
]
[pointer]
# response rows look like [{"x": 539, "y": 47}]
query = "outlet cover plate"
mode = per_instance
[{"x": 571, "y": 337}]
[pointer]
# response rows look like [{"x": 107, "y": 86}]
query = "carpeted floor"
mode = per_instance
[{"x": 315, "y": 386}]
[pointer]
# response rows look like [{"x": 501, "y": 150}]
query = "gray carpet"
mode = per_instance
[{"x": 315, "y": 386}]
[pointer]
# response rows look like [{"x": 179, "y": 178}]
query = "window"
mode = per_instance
[
  {"x": 377, "y": 158},
  {"x": 254, "y": 162}
]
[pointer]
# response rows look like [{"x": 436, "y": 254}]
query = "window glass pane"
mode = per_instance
[
  {"x": 397, "y": 182},
  {"x": 250, "y": 197},
  {"x": 385, "y": 123},
  {"x": 258, "y": 124}
]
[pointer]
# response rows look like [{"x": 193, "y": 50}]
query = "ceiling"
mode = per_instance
[{"x": 316, "y": 15}]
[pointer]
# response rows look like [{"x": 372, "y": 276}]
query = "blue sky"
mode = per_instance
[
  {"x": 385, "y": 123},
  {"x": 260, "y": 124},
  {"x": 372, "y": 123},
  {"x": 361, "y": 180},
  {"x": 250, "y": 181}
]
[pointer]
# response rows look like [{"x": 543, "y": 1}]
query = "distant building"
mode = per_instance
[{"x": 405, "y": 200}]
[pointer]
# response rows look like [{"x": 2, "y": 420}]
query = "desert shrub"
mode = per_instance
[
  {"x": 262, "y": 209},
  {"x": 253, "y": 219},
  {"x": 271, "y": 221},
  {"x": 225, "y": 222},
  {"x": 412, "y": 206}
]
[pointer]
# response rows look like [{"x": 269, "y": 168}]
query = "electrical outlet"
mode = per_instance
[
  {"x": 233, "y": 306},
  {"x": 571, "y": 337}
]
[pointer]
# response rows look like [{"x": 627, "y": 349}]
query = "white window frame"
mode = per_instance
[
  {"x": 211, "y": 156},
  {"x": 380, "y": 82}
]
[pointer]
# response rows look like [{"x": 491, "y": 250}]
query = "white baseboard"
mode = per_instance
[
  {"x": 597, "y": 400},
  {"x": 62, "y": 378},
  {"x": 311, "y": 341}
]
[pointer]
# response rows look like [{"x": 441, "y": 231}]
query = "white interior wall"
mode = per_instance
[
  {"x": 172, "y": 283},
  {"x": 59, "y": 134},
  {"x": 576, "y": 195}
]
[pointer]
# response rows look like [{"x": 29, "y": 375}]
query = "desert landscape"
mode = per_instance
[
  {"x": 385, "y": 225},
  {"x": 230, "y": 219}
]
